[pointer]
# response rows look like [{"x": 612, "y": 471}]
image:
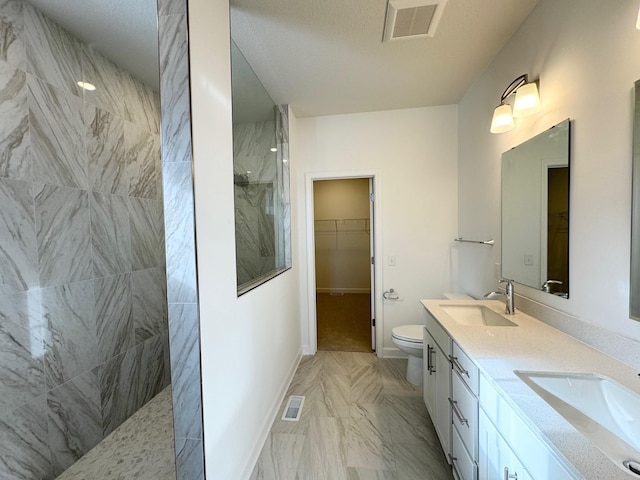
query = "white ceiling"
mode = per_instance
[
  {"x": 327, "y": 57},
  {"x": 320, "y": 56}
]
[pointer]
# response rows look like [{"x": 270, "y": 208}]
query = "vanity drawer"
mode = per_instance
[
  {"x": 438, "y": 333},
  {"x": 465, "y": 368},
  {"x": 465, "y": 414},
  {"x": 464, "y": 468}
]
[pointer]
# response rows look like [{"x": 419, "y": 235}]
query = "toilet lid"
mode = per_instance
[{"x": 409, "y": 333}]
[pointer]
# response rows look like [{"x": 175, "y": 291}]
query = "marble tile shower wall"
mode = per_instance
[
  {"x": 184, "y": 331},
  {"x": 254, "y": 200},
  {"x": 83, "y": 316}
]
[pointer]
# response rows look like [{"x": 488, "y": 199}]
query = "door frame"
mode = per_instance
[
  {"x": 311, "y": 251},
  {"x": 546, "y": 164}
]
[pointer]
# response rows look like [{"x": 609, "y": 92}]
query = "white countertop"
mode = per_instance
[{"x": 534, "y": 345}]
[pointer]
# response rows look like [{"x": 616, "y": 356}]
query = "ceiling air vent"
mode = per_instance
[{"x": 412, "y": 19}]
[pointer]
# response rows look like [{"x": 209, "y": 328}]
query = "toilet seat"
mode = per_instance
[{"x": 408, "y": 333}]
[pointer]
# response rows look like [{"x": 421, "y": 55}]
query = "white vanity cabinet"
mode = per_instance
[
  {"x": 429, "y": 373},
  {"x": 506, "y": 441},
  {"x": 464, "y": 407},
  {"x": 437, "y": 380},
  {"x": 497, "y": 459}
]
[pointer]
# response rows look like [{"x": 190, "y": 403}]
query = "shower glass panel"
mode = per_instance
[{"x": 261, "y": 178}]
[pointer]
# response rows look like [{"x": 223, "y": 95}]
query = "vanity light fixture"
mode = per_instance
[
  {"x": 86, "y": 86},
  {"x": 527, "y": 102}
]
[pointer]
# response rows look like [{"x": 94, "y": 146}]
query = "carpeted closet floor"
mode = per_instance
[{"x": 344, "y": 322}]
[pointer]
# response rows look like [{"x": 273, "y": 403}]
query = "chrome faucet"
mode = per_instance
[{"x": 510, "y": 307}]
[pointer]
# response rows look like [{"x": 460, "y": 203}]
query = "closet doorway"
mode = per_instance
[{"x": 345, "y": 306}]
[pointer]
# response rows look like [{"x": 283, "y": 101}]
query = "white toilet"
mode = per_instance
[{"x": 408, "y": 339}]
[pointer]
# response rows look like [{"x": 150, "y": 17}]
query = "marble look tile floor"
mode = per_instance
[
  {"x": 361, "y": 420},
  {"x": 142, "y": 448}
]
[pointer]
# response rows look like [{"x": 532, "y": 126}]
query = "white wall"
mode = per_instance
[
  {"x": 249, "y": 344},
  {"x": 413, "y": 153},
  {"x": 340, "y": 199},
  {"x": 587, "y": 56}
]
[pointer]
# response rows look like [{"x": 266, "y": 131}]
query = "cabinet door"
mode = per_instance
[
  {"x": 442, "y": 420},
  {"x": 429, "y": 384},
  {"x": 496, "y": 460}
]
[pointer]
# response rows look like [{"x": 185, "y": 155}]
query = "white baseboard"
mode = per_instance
[
  {"x": 266, "y": 428},
  {"x": 343, "y": 290},
  {"x": 307, "y": 350}
]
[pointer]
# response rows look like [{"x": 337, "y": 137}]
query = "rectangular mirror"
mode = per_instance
[
  {"x": 535, "y": 211},
  {"x": 634, "y": 285},
  {"x": 261, "y": 178}
]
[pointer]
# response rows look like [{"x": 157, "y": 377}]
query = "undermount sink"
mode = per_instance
[
  {"x": 476, "y": 315},
  {"x": 602, "y": 410}
]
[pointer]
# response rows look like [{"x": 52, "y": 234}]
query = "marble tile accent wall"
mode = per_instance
[
  {"x": 83, "y": 315},
  {"x": 179, "y": 212},
  {"x": 261, "y": 196},
  {"x": 15, "y": 161},
  {"x": 18, "y": 251},
  {"x": 254, "y": 199}
]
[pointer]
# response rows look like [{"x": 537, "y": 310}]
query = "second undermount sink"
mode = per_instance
[
  {"x": 602, "y": 410},
  {"x": 476, "y": 315}
]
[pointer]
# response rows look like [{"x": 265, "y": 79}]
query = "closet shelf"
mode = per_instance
[
  {"x": 339, "y": 226},
  {"x": 482, "y": 242}
]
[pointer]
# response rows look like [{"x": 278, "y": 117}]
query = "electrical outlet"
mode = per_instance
[
  {"x": 391, "y": 261},
  {"x": 528, "y": 259},
  {"x": 497, "y": 273}
]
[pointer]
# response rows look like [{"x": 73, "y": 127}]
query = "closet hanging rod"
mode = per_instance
[{"x": 482, "y": 242}]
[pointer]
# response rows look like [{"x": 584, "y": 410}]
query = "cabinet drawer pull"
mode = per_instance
[
  {"x": 456, "y": 410},
  {"x": 453, "y": 461},
  {"x": 459, "y": 368},
  {"x": 507, "y": 475},
  {"x": 430, "y": 366},
  {"x": 429, "y": 358}
]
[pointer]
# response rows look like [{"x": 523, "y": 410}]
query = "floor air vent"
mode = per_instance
[{"x": 293, "y": 409}]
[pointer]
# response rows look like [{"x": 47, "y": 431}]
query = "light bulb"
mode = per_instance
[
  {"x": 527, "y": 101},
  {"x": 502, "y": 119}
]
